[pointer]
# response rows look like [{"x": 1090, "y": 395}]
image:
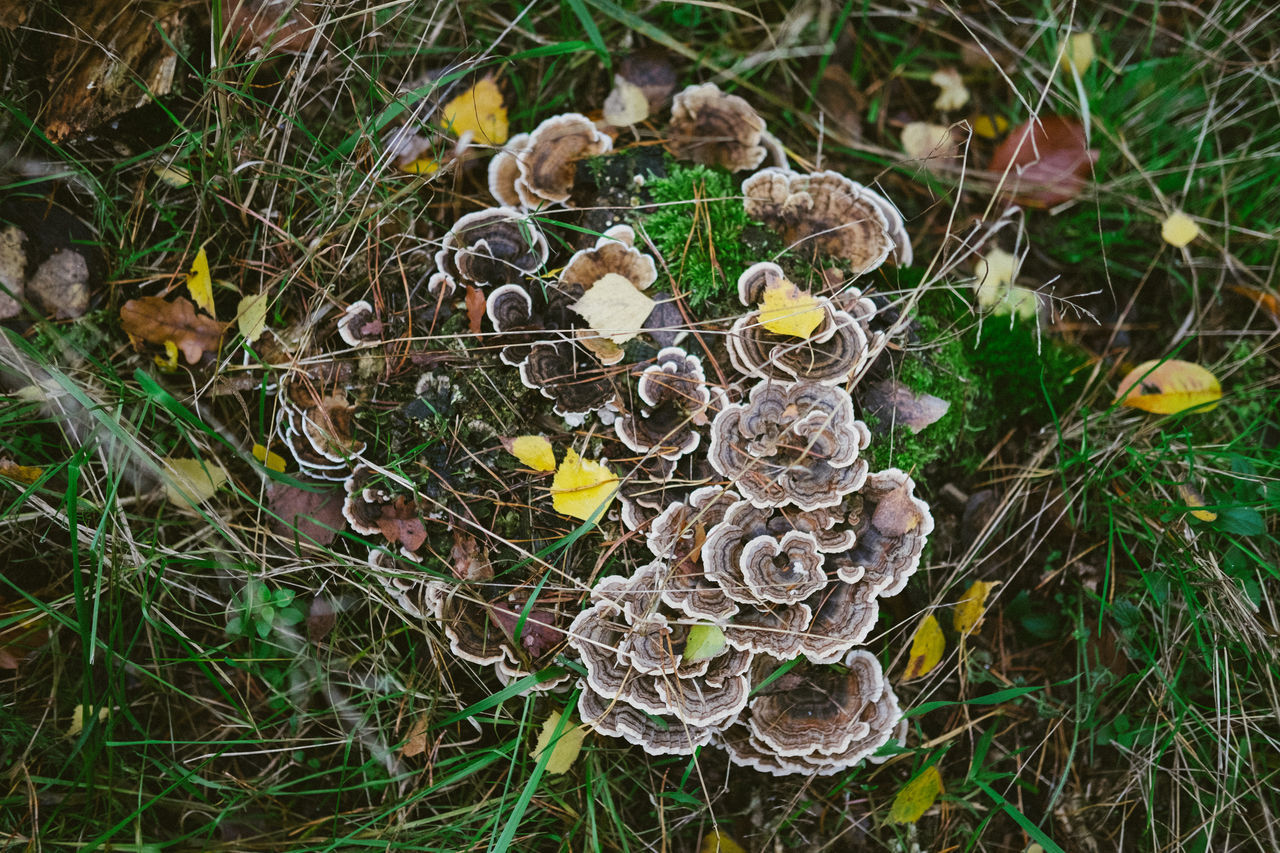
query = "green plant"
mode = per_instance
[{"x": 260, "y": 610}]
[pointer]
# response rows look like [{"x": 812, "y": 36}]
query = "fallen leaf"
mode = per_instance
[
  {"x": 969, "y": 609},
  {"x": 786, "y": 310},
  {"x": 169, "y": 361},
  {"x": 60, "y": 285},
  {"x": 400, "y": 524},
  {"x": 532, "y": 450},
  {"x": 566, "y": 747},
  {"x": 1194, "y": 500},
  {"x": 475, "y": 308},
  {"x": 480, "y": 111},
  {"x": 1178, "y": 230},
  {"x": 81, "y": 715},
  {"x": 651, "y": 69},
  {"x": 19, "y": 473},
  {"x": 416, "y": 742},
  {"x": 997, "y": 293},
  {"x": 614, "y": 308},
  {"x": 626, "y": 104},
  {"x": 200, "y": 284},
  {"x": 926, "y": 649},
  {"x": 954, "y": 95},
  {"x": 468, "y": 560},
  {"x": 156, "y": 320},
  {"x": 251, "y": 316},
  {"x": 917, "y": 796},
  {"x": 421, "y": 166},
  {"x": 1047, "y": 161},
  {"x": 894, "y": 404},
  {"x": 321, "y": 618},
  {"x": 716, "y": 841},
  {"x": 269, "y": 458},
  {"x": 582, "y": 488},
  {"x": 192, "y": 481},
  {"x": 1264, "y": 298},
  {"x": 929, "y": 142},
  {"x": 314, "y": 516},
  {"x": 704, "y": 641},
  {"x": 175, "y": 176},
  {"x": 988, "y": 126},
  {"x": 538, "y": 634},
  {"x": 1168, "y": 387},
  {"x": 1079, "y": 54}
]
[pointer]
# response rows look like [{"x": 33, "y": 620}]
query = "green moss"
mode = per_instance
[{"x": 698, "y": 226}]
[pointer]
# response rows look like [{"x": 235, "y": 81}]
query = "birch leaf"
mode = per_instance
[
  {"x": 704, "y": 641},
  {"x": 926, "y": 649},
  {"x": 478, "y": 110},
  {"x": 787, "y": 310},
  {"x": 614, "y": 308},
  {"x": 532, "y": 450},
  {"x": 566, "y": 748},
  {"x": 969, "y": 610},
  {"x": 1168, "y": 387},
  {"x": 582, "y": 488},
  {"x": 200, "y": 284},
  {"x": 1079, "y": 54},
  {"x": 251, "y": 316},
  {"x": 192, "y": 481},
  {"x": 917, "y": 796}
]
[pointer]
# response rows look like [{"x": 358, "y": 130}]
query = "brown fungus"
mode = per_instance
[
  {"x": 714, "y": 128},
  {"x": 614, "y": 253},
  {"x": 834, "y": 353},
  {"x": 676, "y": 400},
  {"x": 677, "y": 537},
  {"x": 497, "y": 245},
  {"x": 504, "y": 171},
  {"x": 549, "y": 159}
]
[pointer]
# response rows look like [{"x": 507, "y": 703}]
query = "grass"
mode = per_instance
[{"x": 1122, "y": 691}]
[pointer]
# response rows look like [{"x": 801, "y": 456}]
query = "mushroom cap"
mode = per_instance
[
  {"x": 614, "y": 252},
  {"x": 791, "y": 443},
  {"x": 844, "y": 614},
  {"x": 819, "y": 719},
  {"x": 549, "y": 159},
  {"x": 504, "y": 169},
  {"x": 714, "y": 128},
  {"x": 836, "y": 351},
  {"x": 497, "y": 245},
  {"x": 510, "y": 310},
  {"x": 677, "y": 537},
  {"x": 828, "y": 214},
  {"x": 554, "y": 368},
  {"x": 783, "y": 571},
  {"x": 677, "y": 397}
]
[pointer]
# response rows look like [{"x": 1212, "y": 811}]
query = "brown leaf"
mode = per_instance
[
  {"x": 894, "y": 404},
  {"x": 320, "y": 619},
  {"x": 416, "y": 743},
  {"x": 475, "y": 308},
  {"x": 538, "y": 634},
  {"x": 1048, "y": 161},
  {"x": 401, "y": 525},
  {"x": 470, "y": 563},
  {"x": 156, "y": 320},
  {"x": 315, "y": 516}
]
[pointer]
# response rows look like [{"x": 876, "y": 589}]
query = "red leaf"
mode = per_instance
[
  {"x": 315, "y": 515},
  {"x": 475, "y": 308},
  {"x": 1048, "y": 161},
  {"x": 538, "y": 635}
]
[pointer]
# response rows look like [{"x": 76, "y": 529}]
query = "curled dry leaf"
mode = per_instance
[
  {"x": 475, "y": 309},
  {"x": 1168, "y": 387},
  {"x": 1045, "y": 161},
  {"x": 321, "y": 618},
  {"x": 469, "y": 561},
  {"x": 416, "y": 742},
  {"x": 156, "y": 320},
  {"x": 538, "y": 634},
  {"x": 1194, "y": 500}
]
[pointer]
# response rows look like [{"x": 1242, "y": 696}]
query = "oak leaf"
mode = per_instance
[{"x": 155, "y": 320}]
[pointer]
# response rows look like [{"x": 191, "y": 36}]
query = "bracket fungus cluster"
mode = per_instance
[{"x": 757, "y": 532}]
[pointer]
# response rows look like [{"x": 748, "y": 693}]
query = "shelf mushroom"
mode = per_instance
[
  {"x": 546, "y": 162},
  {"x": 711, "y": 127},
  {"x": 497, "y": 245},
  {"x": 676, "y": 400}
]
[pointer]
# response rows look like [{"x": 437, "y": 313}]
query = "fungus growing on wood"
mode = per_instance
[
  {"x": 714, "y": 128},
  {"x": 497, "y": 245},
  {"x": 817, "y": 720},
  {"x": 795, "y": 443},
  {"x": 359, "y": 325},
  {"x": 892, "y": 526},
  {"x": 614, "y": 253},
  {"x": 504, "y": 171},
  {"x": 548, "y": 160},
  {"x": 828, "y": 214},
  {"x": 318, "y": 429},
  {"x": 676, "y": 400},
  {"x": 677, "y": 537}
]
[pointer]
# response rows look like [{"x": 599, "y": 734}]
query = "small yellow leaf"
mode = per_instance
[
  {"x": 716, "y": 841},
  {"x": 917, "y": 796},
  {"x": 1168, "y": 387},
  {"x": 269, "y": 458},
  {"x": 996, "y": 291},
  {"x": 704, "y": 641},
  {"x": 614, "y": 308},
  {"x": 532, "y": 450},
  {"x": 421, "y": 166},
  {"x": 582, "y": 488},
  {"x": 251, "y": 316},
  {"x": 989, "y": 126},
  {"x": 200, "y": 284},
  {"x": 20, "y": 473},
  {"x": 480, "y": 111},
  {"x": 626, "y": 104},
  {"x": 566, "y": 748},
  {"x": 969, "y": 610},
  {"x": 1192, "y": 498},
  {"x": 191, "y": 481},
  {"x": 954, "y": 95},
  {"x": 175, "y": 176},
  {"x": 1079, "y": 54},
  {"x": 1179, "y": 229},
  {"x": 169, "y": 361},
  {"x": 786, "y": 310},
  {"x": 80, "y": 716},
  {"x": 926, "y": 649}
]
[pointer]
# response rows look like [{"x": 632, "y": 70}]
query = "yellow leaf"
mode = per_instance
[
  {"x": 704, "y": 641},
  {"x": 174, "y": 176},
  {"x": 1192, "y": 498},
  {"x": 1169, "y": 387},
  {"x": 716, "y": 841},
  {"x": 566, "y": 748},
  {"x": 1079, "y": 54},
  {"x": 916, "y": 796},
  {"x": 80, "y": 715},
  {"x": 926, "y": 648},
  {"x": 614, "y": 308},
  {"x": 954, "y": 95},
  {"x": 421, "y": 166},
  {"x": 268, "y": 458},
  {"x": 969, "y": 610},
  {"x": 191, "y": 481},
  {"x": 1179, "y": 229},
  {"x": 996, "y": 291},
  {"x": 200, "y": 284},
  {"x": 582, "y": 488},
  {"x": 533, "y": 451},
  {"x": 169, "y": 361},
  {"x": 251, "y": 316},
  {"x": 480, "y": 111},
  {"x": 786, "y": 310},
  {"x": 626, "y": 104},
  {"x": 20, "y": 473},
  {"x": 989, "y": 126}
]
